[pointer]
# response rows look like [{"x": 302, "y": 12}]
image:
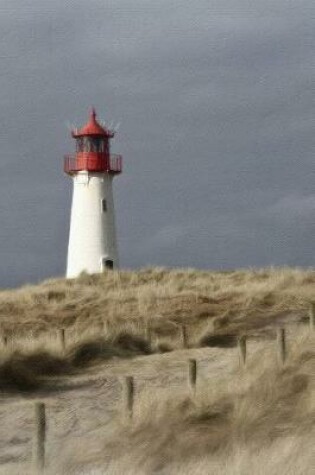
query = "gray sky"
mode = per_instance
[{"x": 216, "y": 104}]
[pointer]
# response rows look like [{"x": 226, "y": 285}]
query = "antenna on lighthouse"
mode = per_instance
[
  {"x": 116, "y": 127},
  {"x": 71, "y": 127}
]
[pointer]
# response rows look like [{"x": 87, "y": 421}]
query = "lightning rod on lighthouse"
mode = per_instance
[{"x": 92, "y": 239}]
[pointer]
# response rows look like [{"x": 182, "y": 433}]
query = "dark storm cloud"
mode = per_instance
[{"x": 216, "y": 106}]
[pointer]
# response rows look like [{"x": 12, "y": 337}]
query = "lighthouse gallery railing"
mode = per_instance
[{"x": 93, "y": 162}]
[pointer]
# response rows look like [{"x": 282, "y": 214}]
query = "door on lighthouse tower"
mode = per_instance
[{"x": 107, "y": 264}]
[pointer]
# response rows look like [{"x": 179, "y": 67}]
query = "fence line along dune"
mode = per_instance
[
  {"x": 96, "y": 317},
  {"x": 258, "y": 421}
]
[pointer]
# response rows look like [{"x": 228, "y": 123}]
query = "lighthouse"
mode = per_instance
[{"x": 92, "y": 239}]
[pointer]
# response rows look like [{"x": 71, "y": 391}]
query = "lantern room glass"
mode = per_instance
[{"x": 91, "y": 144}]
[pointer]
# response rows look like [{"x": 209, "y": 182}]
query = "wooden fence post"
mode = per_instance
[
  {"x": 62, "y": 336},
  {"x": 312, "y": 317},
  {"x": 147, "y": 331},
  {"x": 192, "y": 375},
  {"x": 105, "y": 328},
  {"x": 242, "y": 350},
  {"x": 183, "y": 333},
  {"x": 128, "y": 391},
  {"x": 281, "y": 340},
  {"x": 39, "y": 438},
  {"x": 101, "y": 328}
]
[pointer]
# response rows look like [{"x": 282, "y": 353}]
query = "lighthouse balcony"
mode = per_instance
[{"x": 93, "y": 162}]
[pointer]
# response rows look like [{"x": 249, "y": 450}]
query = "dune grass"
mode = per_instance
[
  {"x": 149, "y": 307},
  {"x": 160, "y": 300},
  {"x": 259, "y": 420},
  {"x": 31, "y": 370}
]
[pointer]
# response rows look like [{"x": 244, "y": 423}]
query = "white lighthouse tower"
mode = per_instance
[{"x": 92, "y": 240}]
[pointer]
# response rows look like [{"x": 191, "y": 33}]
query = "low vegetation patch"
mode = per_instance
[
  {"x": 20, "y": 371},
  {"x": 219, "y": 341},
  {"x": 123, "y": 345}
]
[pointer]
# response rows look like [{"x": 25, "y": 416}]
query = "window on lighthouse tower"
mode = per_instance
[{"x": 104, "y": 205}]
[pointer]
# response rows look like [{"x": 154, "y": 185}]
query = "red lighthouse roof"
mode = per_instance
[{"x": 92, "y": 127}]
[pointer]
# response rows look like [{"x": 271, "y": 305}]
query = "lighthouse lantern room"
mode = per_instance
[{"x": 92, "y": 240}]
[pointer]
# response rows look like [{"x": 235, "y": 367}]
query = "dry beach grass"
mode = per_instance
[
  {"x": 233, "y": 416},
  {"x": 160, "y": 299},
  {"x": 242, "y": 421}
]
